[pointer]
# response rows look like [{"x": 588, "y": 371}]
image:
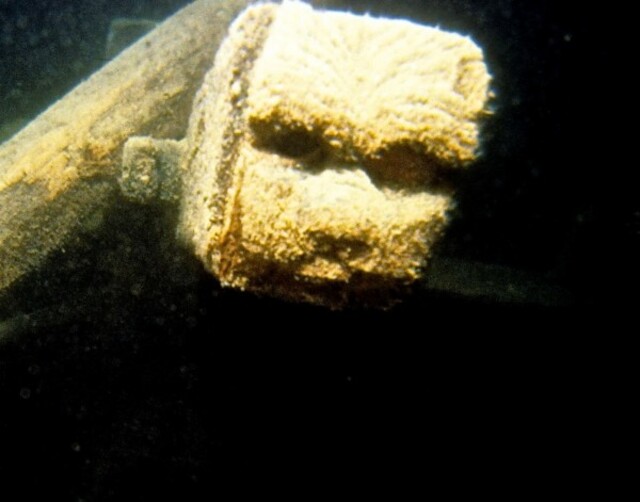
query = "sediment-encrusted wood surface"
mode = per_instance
[{"x": 57, "y": 174}]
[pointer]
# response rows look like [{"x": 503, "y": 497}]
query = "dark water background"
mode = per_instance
[{"x": 138, "y": 377}]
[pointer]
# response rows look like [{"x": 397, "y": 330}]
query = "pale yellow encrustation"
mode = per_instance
[{"x": 303, "y": 145}]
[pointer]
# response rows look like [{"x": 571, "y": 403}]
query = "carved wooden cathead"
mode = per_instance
[{"x": 314, "y": 164}]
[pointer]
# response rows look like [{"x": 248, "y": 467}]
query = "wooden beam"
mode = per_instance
[{"x": 57, "y": 175}]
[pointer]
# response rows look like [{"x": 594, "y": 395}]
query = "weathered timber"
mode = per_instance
[{"x": 58, "y": 174}]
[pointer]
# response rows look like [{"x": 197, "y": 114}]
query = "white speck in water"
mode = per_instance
[{"x": 25, "y": 393}]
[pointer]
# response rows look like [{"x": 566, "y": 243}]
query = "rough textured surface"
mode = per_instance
[
  {"x": 67, "y": 152},
  {"x": 150, "y": 169},
  {"x": 364, "y": 85},
  {"x": 314, "y": 176}
]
